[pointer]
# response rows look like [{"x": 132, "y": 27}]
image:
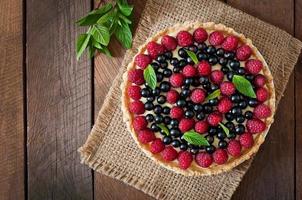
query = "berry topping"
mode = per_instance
[
  {"x": 200, "y": 35},
  {"x": 216, "y": 38},
  {"x": 184, "y": 159},
  {"x": 137, "y": 107},
  {"x": 253, "y": 66},
  {"x": 224, "y": 105},
  {"x": 184, "y": 38},
  {"x": 217, "y": 76},
  {"x": 139, "y": 123},
  {"x": 142, "y": 60},
  {"x": 186, "y": 124},
  {"x": 201, "y": 127},
  {"x": 204, "y": 68},
  {"x": 259, "y": 80},
  {"x": 214, "y": 118},
  {"x": 246, "y": 140},
  {"x": 204, "y": 159},
  {"x": 220, "y": 156},
  {"x": 155, "y": 49},
  {"x": 198, "y": 95},
  {"x": 134, "y": 92},
  {"x": 262, "y": 94},
  {"x": 262, "y": 111},
  {"x": 227, "y": 88},
  {"x": 189, "y": 71},
  {"x": 176, "y": 112},
  {"x": 234, "y": 148},
  {"x": 146, "y": 136},
  {"x": 172, "y": 96},
  {"x": 255, "y": 126},
  {"x": 177, "y": 80},
  {"x": 243, "y": 52},
  {"x": 157, "y": 146},
  {"x": 136, "y": 76},
  {"x": 230, "y": 43},
  {"x": 169, "y": 42},
  {"x": 169, "y": 153}
]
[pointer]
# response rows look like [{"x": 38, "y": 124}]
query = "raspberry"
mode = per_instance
[
  {"x": 216, "y": 38},
  {"x": 214, "y": 118},
  {"x": 262, "y": 111},
  {"x": 169, "y": 153},
  {"x": 246, "y": 140},
  {"x": 134, "y": 92},
  {"x": 261, "y": 94},
  {"x": 217, "y": 76},
  {"x": 172, "y": 96},
  {"x": 189, "y": 71},
  {"x": 224, "y": 105},
  {"x": 137, "y": 107},
  {"x": 204, "y": 159},
  {"x": 253, "y": 66},
  {"x": 201, "y": 127},
  {"x": 139, "y": 123},
  {"x": 255, "y": 126},
  {"x": 227, "y": 88},
  {"x": 184, "y": 38},
  {"x": 220, "y": 156},
  {"x": 259, "y": 80},
  {"x": 136, "y": 76},
  {"x": 204, "y": 68},
  {"x": 230, "y": 43},
  {"x": 200, "y": 35},
  {"x": 176, "y": 80},
  {"x": 184, "y": 159},
  {"x": 186, "y": 124},
  {"x": 176, "y": 112},
  {"x": 243, "y": 52},
  {"x": 155, "y": 49},
  {"x": 234, "y": 148},
  {"x": 146, "y": 136},
  {"x": 198, "y": 95},
  {"x": 169, "y": 42},
  {"x": 157, "y": 146},
  {"x": 142, "y": 60}
]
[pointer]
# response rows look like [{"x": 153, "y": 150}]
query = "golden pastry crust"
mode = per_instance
[{"x": 194, "y": 169}]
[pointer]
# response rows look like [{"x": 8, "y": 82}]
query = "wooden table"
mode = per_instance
[{"x": 49, "y": 101}]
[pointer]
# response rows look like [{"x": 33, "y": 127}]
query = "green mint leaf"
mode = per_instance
[
  {"x": 101, "y": 34},
  {"x": 213, "y": 95},
  {"x": 192, "y": 56},
  {"x": 125, "y": 19},
  {"x": 82, "y": 43},
  {"x": 243, "y": 86},
  {"x": 107, "y": 18},
  {"x": 124, "y": 35},
  {"x": 150, "y": 77},
  {"x": 164, "y": 128},
  {"x": 96, "y": 44},
  {"x": 125, "y": 8},
  {"x": 195, "y": 138},
  {"x": 91, "y": 50},
  {"x": 104, "y": 9},
  {"x": 225, "y": 129}
]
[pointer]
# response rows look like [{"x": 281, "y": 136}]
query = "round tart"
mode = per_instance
[{"x": 198, "y": 98}]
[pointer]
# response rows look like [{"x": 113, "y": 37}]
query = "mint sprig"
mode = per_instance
[
  {"x": 164, "y": 128},
  {"x": 104, "y": 22},
  {"x": 195, "y": 138},
  {"x": 150, "y": 77},
  {"x": 192, "y": 55},
  {"x": 213, "y": 95},
  {"x": 243, "y": 86},
  {"x": 225, "y": 129}
]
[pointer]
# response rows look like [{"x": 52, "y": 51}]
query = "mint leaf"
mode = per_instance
[
  {"x": 82, "y": 43},
  {"x": 124, "y": 35},
  {"x": 125, "y": 19},
  {"x": 164, "y": 128},
  {"x": 124, "y": 8},
  {"x": 91, "y": 50},
  {"x": 195, "y": 138},
  {"x": 192, "y": 56},
  {"x": 225, "y": 129},
  {"x": 243, "y": 86},
  {"x": 104, "y": 9},
  {"x": 96, "y": 44},
  {"x": 150, "y": 77},
  {"x": 101, "y": 34},
  {"x": 213, "y": 95},
  {"x": 108, "y": 17}
]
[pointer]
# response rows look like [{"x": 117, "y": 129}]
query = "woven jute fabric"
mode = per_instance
[{"x": 110, "y": 148}]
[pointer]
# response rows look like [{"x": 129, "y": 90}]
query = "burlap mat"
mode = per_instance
[{"x": 110, "y": 149}]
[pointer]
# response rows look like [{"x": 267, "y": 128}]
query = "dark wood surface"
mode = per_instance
[{"x": 48, "y": 103}]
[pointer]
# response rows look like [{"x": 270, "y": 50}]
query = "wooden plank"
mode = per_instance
[
  {"x": 59, "y": 101},
  {"x": 272, "y": 174},
  {"x": 11, "y": 101}
]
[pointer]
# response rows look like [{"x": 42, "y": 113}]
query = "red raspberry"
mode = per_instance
[
  {"x": 216, "y": 38},
  {"x": 184, "y": 159},
  {"x": 146, "y": 136},
  {"x": 176, "y": 80},
  {"x": 169, "y": 153},
  {"x": 157, "y": 146},
  {"x": 217, "y": 76},
  {"x": 142, "y": 60},
  {"x": 204, "y": 159},
  {"x": 246, "y": 140},
  {"x": 234, "y": 148},
  {"x": 186, "y": 124},
  {"x": 198, "y": 95},
  {"x": 262, "y": 111},
  {"x": 155, "y": 49},
  {"x": 200, "y": 35},
  {"x": 176, "y": 112},
  {"x": 262, "y": 94},
  {"x": 253, "y": 66},
  {"x": 243, "y": 52},
  {"x": 139, "y": 123},
  {"x": 255, "y": 126},
  {"x": 227, "y": 88},
  {"x": 169, "y": 42},
  {"x": 137, "y": 107},
  {"x": 172, "y": 96},
  {"x": 134, "y": 92},
  {"x": 220, "y": 156},
  {"x": 184, "y": 38},
  {"x": 204, "y": 68},
  {"x": 201, "y": 127},
  {"x": 224, "y": 105},
  {"x": 189, "y": 71},
  {"x": 136, "y": 76},
  {"x": 214, "y": 118},
  {"x": 230, "y": 43},
  {"x": 259, "y": 80}
]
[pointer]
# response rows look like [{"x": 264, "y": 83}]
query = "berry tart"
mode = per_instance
[{"x": 198, "y": 98}]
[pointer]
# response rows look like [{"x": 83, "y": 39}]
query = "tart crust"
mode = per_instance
[{"x": 194, "y": 169}]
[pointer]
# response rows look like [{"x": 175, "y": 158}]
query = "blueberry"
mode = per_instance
[
  {"x": 185, "y": 87},
  {"x": 189, "y": 114},
  {"x": 196, "y": 82},
  {"x": 149, "y": 105},
  {"x": 176, "y": 69},
  {"x": 207, "y": 109},
  {"x": 168, "y": 54},
  {"x": 182, "y": 63},
  {"x": 222, "y": 144},
  {"x": 223, "y": 61},
  {"x": 190, "y": 105},
  {"x": 167, "y": 120},
  {"x": 151, "y": 98},
  {"x": 221, "y": 135},
  {"x": 232, "y": 135},
  {"x": 235, "y": 98},
  {"x": 189, "y": 81},
  {"x": 213, "y": 102},
  {"x": 242, "y": 104},
  {"x": 211, "y": 49},
  {"x": 230, "y": 126},
  {"x": 203, "y": 80},
  {"x": 220, "y": 52},
  {"x": 240, "y": 119},
  {"x": 202, "y": 56},
  {"x": 185, "y": 93},
  {"x": 214, "y": 87},
  {"x": 165, "y": 86},
  {"x": 207, "y": 86},
  {"x": 210, "y": 139},
  {"x": 200, "y": 116},
  {"x": 183, "y": 146},
  {"x": 182, "y": 53},
  {"x": 193, "y": 48},
  {"x": 229, "y": 55},
  {"x": 201, "y": 46},
  {"x": 175, "y": 132},
  {"x": 213, "y": 60},
  {"x": 157, "y": 109},
  {"x": 167, "y": 73},
  {"x": 158, "y": 119},
  {"x": 212, "y": 131},
  {"x": 166, "y": 110},
  {"x": 174, "y": 123},
  {"x": 181, "y": 103},
  {"x": 156, "y": 91},
  {"x": 155, "y": 66},
  {"x": 154, "y": 127},
  {"x": 167, "y": 140},
  {"x": 161, "y": 58},
  {"x": 236, "y": 111},
  {"x": 210, "y": 149},
  {"x": 175, "y": 143},
  {"x": 164, "y": 65},
  {"x": 239, "y": 129},
  {"x": 149, "y": 117},
  {"x": 145, "y": 92},
  {"x": 198, "y": 108},
  {"x": 229, "y": 116},
  {"x": 174, "y": 61},
  {"x": 249, "y": 77},
  {"x": 190, "y": 61},
  {"x": 161, "y": 99},
  {"x": 194, "y": 150},
  {"x": 252, "y": 102},
  {"x": 248, "y": 115},
  {"x": 234, "y": 64},
  {"x": 230, "y": 76},
  {"x": 241, "y": 71}
]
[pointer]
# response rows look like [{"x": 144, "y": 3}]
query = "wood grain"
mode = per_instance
[
  {"x": 271, "y": 175},
  {"x": 11, "y": 101},
  {"x": 59, "y": 101}
]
